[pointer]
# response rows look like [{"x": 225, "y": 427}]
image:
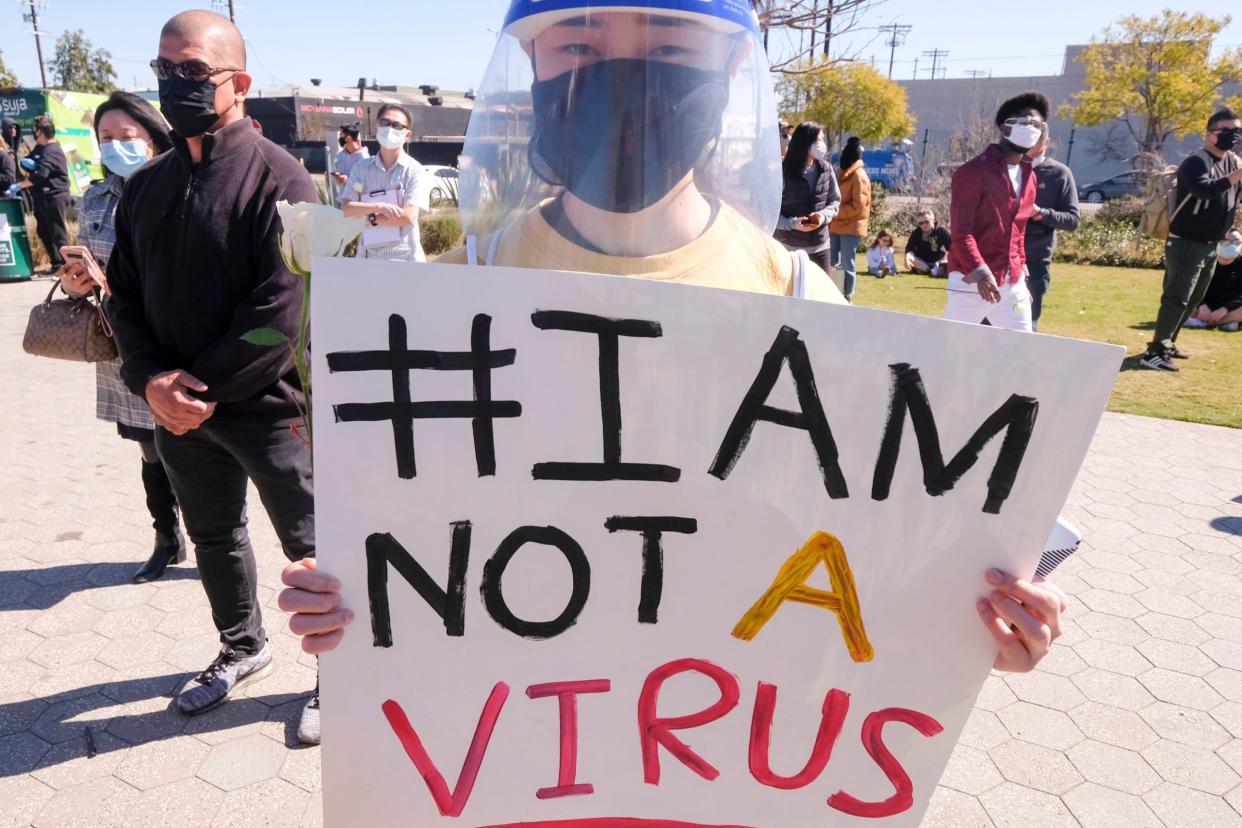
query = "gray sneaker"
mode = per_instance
[
  {"x": 308, "y": 725},
  {"x": 229, "y": 673}
]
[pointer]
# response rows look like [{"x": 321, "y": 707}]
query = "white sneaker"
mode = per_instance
[{"x": 1196, "y": 322}]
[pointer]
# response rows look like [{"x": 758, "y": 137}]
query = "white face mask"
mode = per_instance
[
  {"x": 1025, "y": 135},
  {"x": 819, "y": 151},
  {"x": 391, "y": 138},
  {"x": 1228, "y": 250}
]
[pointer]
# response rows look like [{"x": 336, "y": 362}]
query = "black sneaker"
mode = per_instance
[
  {"x": 1176, "y": 354},
  {"x": 229, "y": 673},
  {"x": 1158, "y": 361}
]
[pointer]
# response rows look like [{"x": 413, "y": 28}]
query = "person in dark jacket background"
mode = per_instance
[
  {"x": 1056, "y": 208},
  {"x": 811, "y": 196},
  {"x": 1206, "y": 201},
  {"x": 49, "y": 183},
  {"x": 197, "y": 265}
]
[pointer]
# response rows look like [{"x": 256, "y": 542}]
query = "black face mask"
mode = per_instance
[
  {"x": 189, "y": 106},
  {"x": 341, "y": 141},
  {"x": 620, "y": 134},
  {"x": 1226, "y": 139}
]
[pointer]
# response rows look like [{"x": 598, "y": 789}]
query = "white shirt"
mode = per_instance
[
  {"x": 1015, "y": 178},
  {"x": 413, "y": 184}
]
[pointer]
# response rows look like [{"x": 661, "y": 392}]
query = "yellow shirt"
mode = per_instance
[{"x": 732, "y": 254}]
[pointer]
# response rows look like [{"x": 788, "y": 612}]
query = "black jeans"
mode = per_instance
[
  {"x": 49, "y": 212},
  {"x": 209, "y": 468}
]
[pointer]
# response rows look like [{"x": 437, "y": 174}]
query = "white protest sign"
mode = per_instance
[{"x": 626, "y": 553}]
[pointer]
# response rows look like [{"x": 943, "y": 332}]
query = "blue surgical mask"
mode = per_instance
[
  {"x": 1228, "y": 250},
  {"x": 123, "y": 157}
]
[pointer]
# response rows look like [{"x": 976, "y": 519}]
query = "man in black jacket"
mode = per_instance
[
  {"x": 1205, "y": 206},
  {"x": 1056, "y": 208},
  {"x": 49, "y": 183},
  {"x": 196, "y": 266}
]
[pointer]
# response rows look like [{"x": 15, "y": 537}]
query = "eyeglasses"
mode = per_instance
[
  {"x": 384, "y": 122},
  {"x": 1031, "y": 120},
  {"x": 191, "y": 70},
  {"x": 1231, "y": 130},
  {"x": 925, "y": 223}
]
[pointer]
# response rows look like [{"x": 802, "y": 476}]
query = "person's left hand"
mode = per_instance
[
  {"x": 314, "y": 598},
  {"x": 1023, "y": 617},
  {"x": 1039, "y": 214}
]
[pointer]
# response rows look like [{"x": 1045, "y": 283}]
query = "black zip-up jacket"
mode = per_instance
[
  {"x": 1210, "y": 214},
  {"x": 197, "y": 264},
  {"x": 51, "y": 172}
]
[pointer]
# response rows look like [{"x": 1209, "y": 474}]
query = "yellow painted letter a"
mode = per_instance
[{"x": 790, "y": 585}]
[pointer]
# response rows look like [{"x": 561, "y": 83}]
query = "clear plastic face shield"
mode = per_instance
[{"x": 626, "y": 111}]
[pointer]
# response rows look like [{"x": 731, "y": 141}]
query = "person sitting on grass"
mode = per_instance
[
  {"x": 928, "y": 247},
  {"x": 1222, "y": 304},
  {"x": 880, "y": 261}
]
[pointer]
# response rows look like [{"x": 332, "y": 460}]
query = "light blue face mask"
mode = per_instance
[
  {"x": 1228, "y": 250},
  {"x": 123, "y": 157}
]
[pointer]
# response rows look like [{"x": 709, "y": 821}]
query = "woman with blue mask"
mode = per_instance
[{"x": 130, "y": 132}]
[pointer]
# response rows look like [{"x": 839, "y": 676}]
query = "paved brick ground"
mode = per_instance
[{"x": 1135, "y": 719}]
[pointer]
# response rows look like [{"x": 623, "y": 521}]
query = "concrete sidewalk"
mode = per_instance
[{"x": 1135, "y": 719}]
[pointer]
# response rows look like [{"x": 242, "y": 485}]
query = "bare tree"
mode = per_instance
[{"x": 802, "y": 34}]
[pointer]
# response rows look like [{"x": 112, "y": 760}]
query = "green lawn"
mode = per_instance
[{"x": 1116, "y": 305}]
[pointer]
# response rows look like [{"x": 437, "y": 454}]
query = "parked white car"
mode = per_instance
[{"x": 443, "y": 192}]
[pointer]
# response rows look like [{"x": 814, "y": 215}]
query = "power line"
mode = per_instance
[
  {"x": 936, "y": 56},
  {"x": 896, "y": 37}
]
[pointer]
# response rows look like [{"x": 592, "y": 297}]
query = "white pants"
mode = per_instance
[{"x": 1012, "y": 312}]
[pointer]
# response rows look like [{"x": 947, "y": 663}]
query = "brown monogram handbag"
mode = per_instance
[{"x": 70, "y": 328}]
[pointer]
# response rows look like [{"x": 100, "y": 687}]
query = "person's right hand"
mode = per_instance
[
  {"x": 76, "y": 279},
  {"x": 172, "y": 407},
  {"x": 340, "y": 179},
  {"x": 988, "y": 289},
  {"x": 315, "y": 601},
  {"x": 1235, "y": 177}
]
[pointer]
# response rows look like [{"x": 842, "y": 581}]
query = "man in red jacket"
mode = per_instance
[{"x": 993, "y": 196}]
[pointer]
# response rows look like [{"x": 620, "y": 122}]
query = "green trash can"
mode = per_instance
[{"x": 16, "y": 261}]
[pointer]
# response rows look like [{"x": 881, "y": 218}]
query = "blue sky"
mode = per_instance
[{"x": 448, "y": 42}]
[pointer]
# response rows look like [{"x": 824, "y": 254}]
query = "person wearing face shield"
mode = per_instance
[
  {"x": 811, "y": 196},
  {"x": 130, "y": 132},
  {"x": 1206, "y": 199},
  {"x": 992, "y": 199},
  {"x": 652, "y": 154},
  {"x": 197, "y": 265},
  {"x": 636, "y": 139}
]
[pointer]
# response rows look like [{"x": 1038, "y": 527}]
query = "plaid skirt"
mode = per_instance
[{"x": 114, "y": 403}]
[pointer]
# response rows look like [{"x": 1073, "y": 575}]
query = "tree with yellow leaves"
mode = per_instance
[
  {"x": 848, "y": 99},
  {"x": 1155, "y": 76}
]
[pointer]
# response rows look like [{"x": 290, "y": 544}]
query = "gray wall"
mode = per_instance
[{"x": 945, "y": 106}]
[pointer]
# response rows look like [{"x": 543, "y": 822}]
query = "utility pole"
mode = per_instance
[
  {"x": 1069, "y": 151},
  {"x": 978, "y": 73},
  {"x": 828, "y": 31},
  {"x": 936, "y": 56},
  {"x": 221, "y": 6},
  {"x": 896, "y": 37},
  {"x": 32, "y": 17}
]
